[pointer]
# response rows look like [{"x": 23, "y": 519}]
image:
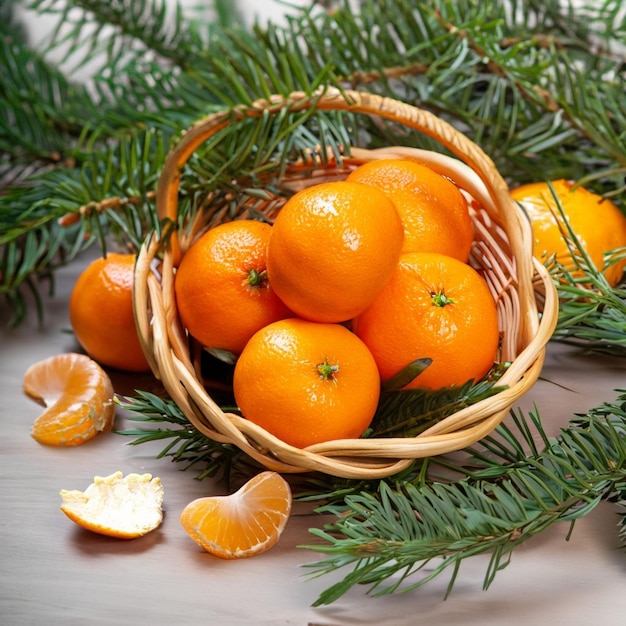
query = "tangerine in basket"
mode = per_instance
[
  {"x": 332, "y": 248},
  {"x": 434, "y": 307},
  {"x": 307, "y": 382},
  {"x": 433, "y": 210},
  {"x": 222, "y": 289},
  {"x": 598, "y": 224},
  {"x": 242, "y": 524},
  {"x": 118, "y": 506},
  {"x": 101, "y": 313},
  {"x": 78, "y": 395}
]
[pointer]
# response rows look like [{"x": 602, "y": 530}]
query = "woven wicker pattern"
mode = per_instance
[{"x": 501, "y": 252}]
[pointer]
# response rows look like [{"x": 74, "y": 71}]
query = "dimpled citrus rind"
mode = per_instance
[
  {"x": 404, "y": 324},
  {"x": 598, "y": 223},
  {"x": 278, "y": 383},
  {"x": 332, "y": 248}
]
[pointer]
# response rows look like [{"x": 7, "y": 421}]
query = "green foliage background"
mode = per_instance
[{"x": 538, "y": 84}]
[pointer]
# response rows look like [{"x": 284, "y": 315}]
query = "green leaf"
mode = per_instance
[{"x": 406, "y": 375}]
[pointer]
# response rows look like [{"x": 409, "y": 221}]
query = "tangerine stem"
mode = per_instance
[
  {"x": 256, "y": 278},
  {"x": 326, "y": 370},
  {"x": 440, "y": 299}
]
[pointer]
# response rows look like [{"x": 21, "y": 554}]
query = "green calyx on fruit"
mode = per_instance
[
  {"x": 256, "y": 278},
  {"x": 327, "y": 371},
  {"x": 440, "y": 299}
]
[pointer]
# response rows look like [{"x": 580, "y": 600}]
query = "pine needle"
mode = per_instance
[
  {"x": 186, "y": 445},
  {"x": 389, "y": 534}
]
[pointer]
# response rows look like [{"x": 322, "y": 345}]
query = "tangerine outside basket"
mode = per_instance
[{"x": 502, "y": 252}]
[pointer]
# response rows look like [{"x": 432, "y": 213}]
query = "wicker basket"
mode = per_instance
[{"x": 501, "y": 252}]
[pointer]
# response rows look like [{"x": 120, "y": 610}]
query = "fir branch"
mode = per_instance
[
  {"x": 620, "y": 500},
  {"x": 141, "y": 50},
  {"x": 127, "y": 172},
  {"x": 41, "y": 114},
  {"x": 468, "y": 83},
  {"x": 227, "y": 12},
  {"x": 10, "y": 25},
  {"x": 594, "y": 127},
  {"x": 596, "y": 324},
  {"x": 44, "y": 226},
  {"x": 186, "y": 445},
  {"x": 134, "y": 28},
  {"x": 503, "y": 498}
]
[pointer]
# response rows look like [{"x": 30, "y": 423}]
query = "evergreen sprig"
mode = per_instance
[
  {"x": 592, "y": 315},
  {"x": 109, "y": 198},
  {"x": 507, "y": 492},
  {"x": 621, "y": 503},
  {"x": 136, "y": 31},
  {"x": 41, "y": 114},
  {"x": 185, "y": 444}
]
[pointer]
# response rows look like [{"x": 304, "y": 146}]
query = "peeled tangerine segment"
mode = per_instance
[
  {"x": 78, "y": 396},
  {"x": 117, "y": 506},
  {"x": 243, "y": 524}
]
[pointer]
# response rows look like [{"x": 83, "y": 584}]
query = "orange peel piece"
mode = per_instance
[
  {"x": 117, "y": 506},
  {"x": 78, "y": 396},
  {"x": 243, "y": 524}
]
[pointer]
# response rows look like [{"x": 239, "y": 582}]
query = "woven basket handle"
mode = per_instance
[
  {"x": 509, "y": 215},
  {"x": 332, "y": 100}
]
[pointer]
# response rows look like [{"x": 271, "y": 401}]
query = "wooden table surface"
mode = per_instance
[{"x": 53, "y": 572}]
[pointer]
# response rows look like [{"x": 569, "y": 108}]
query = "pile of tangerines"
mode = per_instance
[{"x": 354, "y": 281}]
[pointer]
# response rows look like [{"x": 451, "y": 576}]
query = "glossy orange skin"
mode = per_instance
[
  {"x": 599, "y": 225},
  {"x": 215, "y": 298},
  {"x": 433, "y": 210},
  {"x": 101, "y": 313},
  {"x": 78, "y": 396},
  {"x": 404, "y": 323},
  {"x": 278, "y": 384},
  {"x": 332, "y": 249},
  {"x": 243, "y": 524}
]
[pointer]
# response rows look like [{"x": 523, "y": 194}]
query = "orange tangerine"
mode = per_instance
[
  {"x": 598, "y": 224},
  {"x": 307, "y": 382},
  {"x": 434, "y": 307},
  {"x": 332, "y": 248},
  {"x": 223, "y": 293},
  {"x": 101, "y": 313},
  {"x": 434, "y": 212}
]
